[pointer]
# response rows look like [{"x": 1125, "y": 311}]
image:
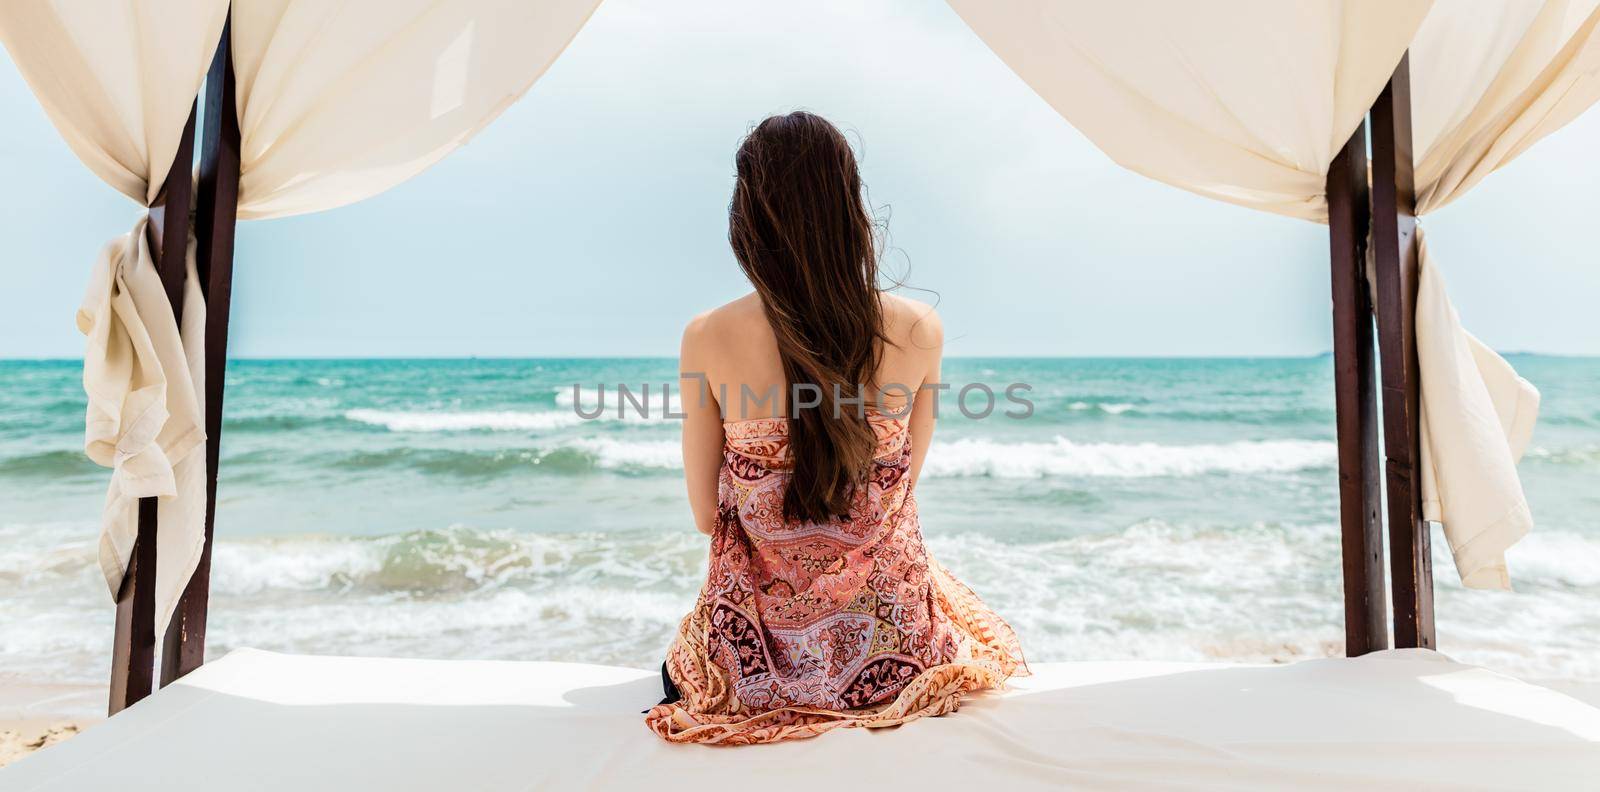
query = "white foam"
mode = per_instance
[
  {"x": 437, "y": 562},
  {"x": 968, "y": 458},
  {"x": 1568, "y": 559},
  {"x": 613, "y": 454},
  {"x": 296, "y": 564},
  {"x": 611, "y": 406},
  {"x": 1154, "y": 590},
  {"x": 1160, "y": 591},
  {"x": 38, "y": 551},
  {"x": 1575, "y": 455},
  {"x": 501, "y": 421},
  {"x": 1110, "y": 408},
  {"x": 1062, "y": 457}
]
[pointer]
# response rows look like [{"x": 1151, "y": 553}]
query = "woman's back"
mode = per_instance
[
  {"x": 805, "y": 625},
  {"x": 738, "y": 354},
  {"x": 803, "y": 436}
]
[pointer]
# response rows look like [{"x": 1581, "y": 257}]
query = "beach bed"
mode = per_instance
[{"x": 1397, "y": 719}]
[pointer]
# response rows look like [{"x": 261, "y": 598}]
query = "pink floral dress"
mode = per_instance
[{"x": 802, "y": 627}]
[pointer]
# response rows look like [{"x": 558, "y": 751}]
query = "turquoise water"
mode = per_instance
[{"x": 1171, "y": 509}]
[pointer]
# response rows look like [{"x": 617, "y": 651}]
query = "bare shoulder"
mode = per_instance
[
  {"x": 697, "y": 331},
  {"x": 731, "y": 320},
  {"x": 912, "y": 322}
]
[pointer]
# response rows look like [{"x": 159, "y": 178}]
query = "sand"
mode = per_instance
[
  {"x": 35, "y": 716},
  {"x": 20, "y": 738}
]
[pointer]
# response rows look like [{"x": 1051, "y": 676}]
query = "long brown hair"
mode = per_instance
[{"x": 799, "y": 225}]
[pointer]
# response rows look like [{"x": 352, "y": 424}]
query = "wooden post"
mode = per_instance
[
  {"x": 1394, "y": 244},
  {"x": 1361, "y": 527},
  {"x": 183, "y": 649},
  {"x": 133, "y": 643}
]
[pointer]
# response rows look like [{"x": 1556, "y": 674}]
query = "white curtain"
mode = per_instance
[
  {"x": 337, "y": 102},
  {"x": 117, "y": 79},
  {"x": 341, "y": 101},
  {"x": 1247, "y": 101},
  {"x": 1488, "y": 79},
  {"x": 145, "y": 380}
]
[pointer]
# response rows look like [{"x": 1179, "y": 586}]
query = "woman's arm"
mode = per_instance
[
  {"x": 927, "y": 337},
  {"x": 702, "y": 427}
]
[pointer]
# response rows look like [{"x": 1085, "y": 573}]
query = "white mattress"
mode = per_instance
[{"x": 1403, "y": 719}]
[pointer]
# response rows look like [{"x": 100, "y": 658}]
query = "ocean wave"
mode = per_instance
[
  {"x": 1257, "y": 592},
  {"x": 613, "y": 454},
  {"x": 611, "y": 408},
  {"x": 574, "y": 456},
  {"x": 439, "y": 563},
  {"x": 1570, "y": 419},
  {"x": 965, "y": 458},
  {"x": 486, "y": 463},
  {"x": 1575, "y": 455},
  {"x": 1109, "y": 408},
  {"x": 42, "y": 551},
  {"x": 1273, "y": 416},
  {"x": 272, "y": 422},
  {"x": 1254, "y": 417},
  {"x": 61, "y": 407},
  {"x": 1555, "y": 559},
  {"x": 1064, "y": 458},
  {"x": 46, "y": 464},
  {"x": 497, "y": 420},
  {"x": 589, "y": 406}
]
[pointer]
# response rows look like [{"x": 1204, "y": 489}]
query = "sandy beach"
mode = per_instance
[
  {"x": 20, "y": 738},
  {"x": 35, "y": 716}
]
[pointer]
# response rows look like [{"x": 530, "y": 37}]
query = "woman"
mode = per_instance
[{"x": 821, "y": 608}]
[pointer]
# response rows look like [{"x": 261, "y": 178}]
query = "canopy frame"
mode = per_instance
[
  {"x": 1395, "y": 254},
  {"x": 1355, "y": 401},
  {"x": 133, "y": 642},
  {"x": 1388, "y": 211},
  {"x": 183, "y": 648},
  {"x": 215, "y": 212}
]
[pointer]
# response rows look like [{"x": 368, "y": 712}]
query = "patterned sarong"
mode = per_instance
[{"x": 803, "y": 627}]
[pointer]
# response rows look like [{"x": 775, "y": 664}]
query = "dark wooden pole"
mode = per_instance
[
  {"x": 1394, "y": 244},
  {"x": 133, "y": 643},
  {"x": 183, "y": 649},
  {"x": 1355, "y": 401}
]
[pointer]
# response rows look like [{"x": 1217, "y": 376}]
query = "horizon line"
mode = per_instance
[{"x": 355, "y": 358}]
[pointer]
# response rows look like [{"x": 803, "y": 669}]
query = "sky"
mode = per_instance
[{"x": 591, "y": 218}]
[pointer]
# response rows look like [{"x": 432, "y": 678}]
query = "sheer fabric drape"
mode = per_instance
[
  {"x": 337, "y": 102},
  {"x": 1247, "y": 101}
]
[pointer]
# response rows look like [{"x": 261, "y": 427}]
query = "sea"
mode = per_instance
[{"x": 1180, "y": 509}]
